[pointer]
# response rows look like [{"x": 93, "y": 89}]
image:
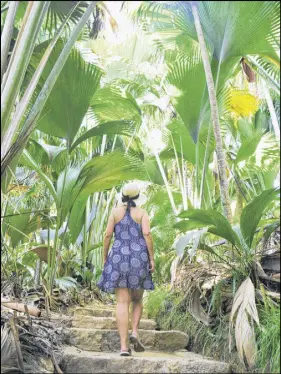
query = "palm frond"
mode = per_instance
[
  {"x": 111, "y": 103},
  {"x": 245, "y": 307},
  {"x": 9, "y": 363},
  {"x": 73, "y": 91}
]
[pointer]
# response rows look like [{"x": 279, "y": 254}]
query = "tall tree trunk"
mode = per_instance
[{"x": 215, "y": 115}]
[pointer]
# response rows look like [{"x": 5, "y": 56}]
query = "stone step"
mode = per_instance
[
  {"x": 99, "y": 340},
  {"x": 94, "y": 312},
  {"x": 98, "y": 312},
  {"x": 108, "y": 323},
  {"x": 75, "y": 361}
]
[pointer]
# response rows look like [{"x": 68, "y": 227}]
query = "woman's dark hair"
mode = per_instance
[{"x": 129, "y": 200}]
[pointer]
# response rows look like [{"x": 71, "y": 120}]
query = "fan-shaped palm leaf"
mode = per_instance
[
  {"x": 70, "y": 98},
  {"x": 114, "y": 104},
  {"x": 230, "y": 28}
]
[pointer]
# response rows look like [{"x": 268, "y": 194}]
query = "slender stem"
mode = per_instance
[
  {"x": 179, "y": 172},
  {"x": 271, "y": 109},
  {"x": 21, "y": 59},
  {"x": 7, "y": 34},
  {"x": 163, "y": 174}
]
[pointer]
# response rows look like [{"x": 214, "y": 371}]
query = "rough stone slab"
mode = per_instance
[
  {"x": 108, "y": 323},
  {"x": 99, "y": 340},
  {"x": 75, "y": 361},
  {"x": 94, "y": 312},
  {"x": 98, "y": 312}
]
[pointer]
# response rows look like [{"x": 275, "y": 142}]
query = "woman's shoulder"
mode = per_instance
[{"x": 142, "y": 211}]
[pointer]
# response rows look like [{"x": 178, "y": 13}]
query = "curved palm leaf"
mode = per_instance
[
  {"x": 252, "y": 213},
  {"x": 99, "y": 174},
  {"x": 107, "y": 128},
  {"x": 215, "y": 221}
]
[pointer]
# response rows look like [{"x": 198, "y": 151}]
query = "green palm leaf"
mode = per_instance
[
  {"x": 215, "y": 221},
  {"x": 248, "y": 146},
  {"x": 99, "y": 174},
  {"x": 111, "y": 103},
  {"x": 107, "y": 128},
  {"x": 231, "y": 28},
  {"x": 186, "y": 75},
  {"x": 253, "y": 212},
  {"x": 71, "y": 96}
]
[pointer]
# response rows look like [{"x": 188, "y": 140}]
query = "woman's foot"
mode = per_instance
[
  {"x": 126, "y": 352},
  {"x": 138, "y": 346}
]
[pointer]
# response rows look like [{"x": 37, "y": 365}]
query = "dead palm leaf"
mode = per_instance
[
  {"x": 245, "y": 306},
  {"x": 8, "y": 352},
  {"x": 196, "y": 309}
]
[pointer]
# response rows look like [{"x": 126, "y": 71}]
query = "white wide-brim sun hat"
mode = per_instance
[{"x": 131, "y": 190}]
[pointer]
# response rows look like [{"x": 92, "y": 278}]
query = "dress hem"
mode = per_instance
[{"x": 112, "y": 290}]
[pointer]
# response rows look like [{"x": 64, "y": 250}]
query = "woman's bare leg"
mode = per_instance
[
  {"x": 136, "y": 296},
  {"x": 122, "y": 315}
]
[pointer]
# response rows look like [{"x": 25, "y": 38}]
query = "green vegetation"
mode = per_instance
[{"x": 182, "y": 97}]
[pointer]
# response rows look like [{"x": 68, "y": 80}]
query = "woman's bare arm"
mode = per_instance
[
  {"x": 145, "y": 224},
  {"x": 108, "y": 236}
]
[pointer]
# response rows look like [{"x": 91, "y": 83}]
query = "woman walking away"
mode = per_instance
[{"x": 128, "y": 267}]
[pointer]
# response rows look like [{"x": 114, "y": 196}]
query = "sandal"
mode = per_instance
[
  {"x": 138, "y": 346},
  {"x": 126, "y": 353}
]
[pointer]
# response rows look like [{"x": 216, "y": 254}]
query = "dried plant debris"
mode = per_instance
[{"x": 40, "y": 343}]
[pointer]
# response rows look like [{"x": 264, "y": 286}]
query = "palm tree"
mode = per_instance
[
  {"x": 178, "y": 25},
  {"x": 17, "y": 67},
  {"x": 222, "y": 166}
]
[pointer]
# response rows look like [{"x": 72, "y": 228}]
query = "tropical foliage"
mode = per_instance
[{"x": 182, "y": 97}]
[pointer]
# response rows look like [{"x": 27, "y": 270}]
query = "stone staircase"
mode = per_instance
[{"x": 94, "y": 348}]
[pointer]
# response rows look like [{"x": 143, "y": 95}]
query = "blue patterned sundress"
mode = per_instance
[{"x": 127, "y": 265}]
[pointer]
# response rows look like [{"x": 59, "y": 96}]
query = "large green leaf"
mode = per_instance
[
  {"x": 99, "y": 174},
  {"x": 183, "y": 142},
  {"x": 187, "y": 77},
  {"x": 248, "y": 147},
  {"x": 230, "y": 28},
  {"x": 215, "y": 221},
  {"x": 27, "y": 160},
  {"x": 153, "y": 171},
  {"x": 253, "y": 212},
  {"x": 188, "y": 225},
  {"x": 15, "y": 225},
  {"x": 68, "y": 188},
  {"x": 71, "y": 96},
  {"x": 107, "y": 128},
  {"x": 104, "y": 172},
  {"x": 111, "y": 103}
]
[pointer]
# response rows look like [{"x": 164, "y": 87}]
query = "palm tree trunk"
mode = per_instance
[{"x": 215, "y": 115}]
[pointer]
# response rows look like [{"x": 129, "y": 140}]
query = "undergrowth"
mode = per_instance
[
  {"x": 169, "y": 309},
  {"x": 268, "y": 340}
]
